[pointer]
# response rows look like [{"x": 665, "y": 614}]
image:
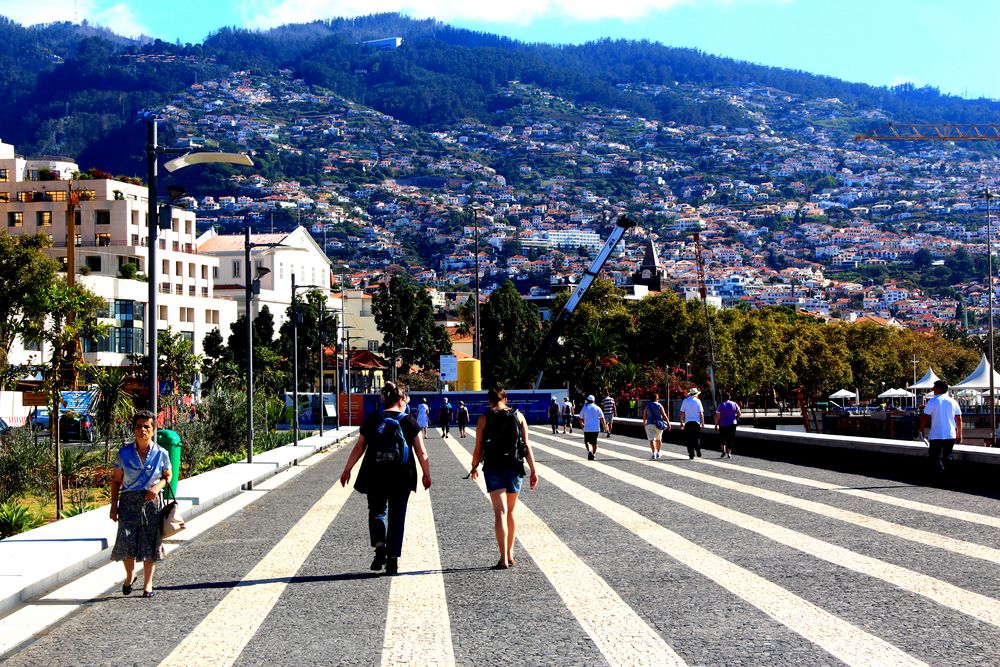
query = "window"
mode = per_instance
[
  {"x": 4, "y": 175},
  {"x": 103, "y": 239},
  {"x": 78, "y": 241},
  {"x": 179, "y": 269},
  {"x": 165, "y": 267},
  {"x": 32, "y": 345},
  {"x": 55, "y": 195},
  {"x": 102, "y": 344},
  {"x": 236, "y": 267},
  {"x": 191, "y": 271},
  {"x": 373, "y": 346},
  {"x": 124, "y": 309},
  {"x": 215, "y": 272},
  {"x": 163, "y": 312},
  {"x": 43, "y": 218},
  {"x": 4, "y": 197},
  {"x": 204, "y": 273},
  {"x": 128, "y": 340},
  {"x": 93, "y": 262},
  {"x": 102, "y": 217},
  {"x": 15, "y": 218},
  {"x": 24, "y": 196}
]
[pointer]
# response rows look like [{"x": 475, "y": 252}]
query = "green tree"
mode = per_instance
[
  {"x": 26, "y": 270},
  {"x": 509, "y": 333},
  {"x": 113, "y": 404},
  {"x": 309, "y": 335},
  {"x": 178, "y": 366},
  {"x": 405, "y": 318}
]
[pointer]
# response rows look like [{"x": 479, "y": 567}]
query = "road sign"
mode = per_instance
[{"x": 449, "y": 368}]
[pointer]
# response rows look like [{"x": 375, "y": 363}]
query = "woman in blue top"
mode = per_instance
[{"x": 142, "y": 470}]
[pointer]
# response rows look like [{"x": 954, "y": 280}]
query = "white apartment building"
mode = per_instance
[
  {"x": 293, "y": 252},
  {"x": 110, "y": 230}
]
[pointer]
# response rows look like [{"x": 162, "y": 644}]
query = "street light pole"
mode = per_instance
[
  {"x": 475, "y": 340},
  {"x": 321, "y": 336},
  {"x": 153, "y": 222},
  {"x": 295, "y": 365},
  {"x": 248, "y": 294},
  {"x": 988, "y": 196}
]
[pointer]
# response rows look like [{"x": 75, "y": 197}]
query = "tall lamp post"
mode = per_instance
[
  {"x": 342, "y": 378},
  {"x": 252, "y": 287},
  {"x": 295, "y": 358},
  {"x": 186, "y": 159},
  {"x": 989, "y": 196}
]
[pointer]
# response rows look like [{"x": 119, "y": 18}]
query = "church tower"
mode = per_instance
[{"x": 651, "y": 273}]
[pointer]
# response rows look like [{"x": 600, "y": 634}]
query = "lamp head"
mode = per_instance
[{"x": 261, "y": 272}]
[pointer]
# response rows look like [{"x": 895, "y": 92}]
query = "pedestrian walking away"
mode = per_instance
[
  {"x": 389, "y": 446},
  {"x": 141, "y": 471},
  {"x": 423, "y": 416},
  {"x": 693, "y": 419},
  {"x": 462, "y": 418},
  {"x": 567, "y": 415},
  {"x": 444, "y": 418},
  {"x": 593, "y": 426},
  {"x": 726, "y": 417},
  {"x": 655, "y": 422},
  {"x": 944, "y": 417},
  {"x": 610, "y": 410},
  {"x": 502, "y": 448},
  {"x": 554, "y": 415}
]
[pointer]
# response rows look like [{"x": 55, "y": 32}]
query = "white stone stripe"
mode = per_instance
[
  {"x": 917, "y": 506},
  {"x": 845, "y": 641},
  {"x": 417, "y": 629},
  {"x": 926, "y": 538},
  {"x": 621, "y": 635},
  {"x": 224, "y": 633},
  {"x": 972, "y": 604}
]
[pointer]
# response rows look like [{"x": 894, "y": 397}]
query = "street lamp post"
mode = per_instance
[
  {"x": 988, "y": 196},
  {"x": 153, "y": 153},
  {"x": 475, "y": 338},
  {"x": 347, "y": 370}
]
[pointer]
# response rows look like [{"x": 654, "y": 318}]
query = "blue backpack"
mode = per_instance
[{"x": 389, "y": 446}]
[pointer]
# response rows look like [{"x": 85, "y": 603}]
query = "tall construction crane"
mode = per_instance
[
  {"x": 559, "y": 322},
  {"x": 954, "y": 132}
]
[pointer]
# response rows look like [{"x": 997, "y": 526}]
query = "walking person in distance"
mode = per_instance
[
  {"x": 726, "y": 416},
  {"x": 444, "y": 418},
  {"x": 389, "y": 446},
  {"x": 655, "y": 422},
  {"x": 693, "y": 419},
  {"x": 610, "y": 410},
  {"x": 593, "y": 426},
  {"x": 423, "y": 416},
  {"x": 944, "y": 417},
  {"x": 554, "y": 415},
  {"x": 141, "y": 472},
  {"x": 567, "y": 415},
  {"x": 502, "y": 448},
  {"x": 462, "y": 418}
]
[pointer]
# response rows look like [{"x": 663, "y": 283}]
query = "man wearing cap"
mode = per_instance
[
  {"x": 593, "y": 425},
  {"x": 693, "y": 419}
]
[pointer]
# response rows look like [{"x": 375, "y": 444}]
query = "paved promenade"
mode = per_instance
[{"x": 621, "y": 561}]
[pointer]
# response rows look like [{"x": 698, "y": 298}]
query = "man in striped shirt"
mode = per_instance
[{"x": 610, "y": 410}]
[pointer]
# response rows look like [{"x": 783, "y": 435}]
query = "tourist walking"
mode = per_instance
[
  {"x": 610, "y": 410},
  {"x": 423, "y": 416},
  {"x": 693, "y": 419},
  {"x": 502, "y": 448},
  {"x": 444, "y": 418},
  {"x": 141, "y": 471},
  {"x": 554, "y": 415},
  {"x": 655, "y": 422},
  {"x": 593, "y": 425},
  {"x": 462, "y": 418},
  {"x": 944, "y": 417},
  {"x": 567, "y": 415},
  {"x": 389, "y": 446},
  {"x": 726, "y": 416}
]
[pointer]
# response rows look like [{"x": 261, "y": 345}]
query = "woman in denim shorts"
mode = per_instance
[{"x": 503, "y": 474}]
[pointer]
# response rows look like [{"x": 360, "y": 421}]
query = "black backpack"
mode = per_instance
[
  {"x": 503, "y": 446},
  {"x": 388, "y": 443}
]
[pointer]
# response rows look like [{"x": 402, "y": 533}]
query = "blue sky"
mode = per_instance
[{"x": 948, "y": 44}]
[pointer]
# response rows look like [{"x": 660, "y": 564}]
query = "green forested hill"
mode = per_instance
[{"x": 80, "y": 91}]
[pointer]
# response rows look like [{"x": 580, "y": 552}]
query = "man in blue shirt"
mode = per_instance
[{"x": 593, "y": 425}]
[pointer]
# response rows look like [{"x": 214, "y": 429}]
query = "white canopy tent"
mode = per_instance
[
  {"x": 980, "y": 378},
  {"x": 927, "y": 381},
  {"x": 843, "y": 393}
]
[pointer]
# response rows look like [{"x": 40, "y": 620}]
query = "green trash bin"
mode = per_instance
[{"x": 171, "y": 442}]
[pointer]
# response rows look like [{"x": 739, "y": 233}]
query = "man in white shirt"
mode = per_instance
[
  {"x": 593, "y": 425},
  {"x": 944, "y": 416},
  {"x": 692, "y": 419}
]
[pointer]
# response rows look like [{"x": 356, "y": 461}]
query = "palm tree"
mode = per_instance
[
  {"x": 112, "y": 405},
  {"x": 594, "y": 349}
]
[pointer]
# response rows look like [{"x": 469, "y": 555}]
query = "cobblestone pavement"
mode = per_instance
[{"x": 623, "y": 561}]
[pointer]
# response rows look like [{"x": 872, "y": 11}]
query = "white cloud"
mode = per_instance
[
  {"x": 119, "y": 17},
  {"x": 271, "y": 13}
]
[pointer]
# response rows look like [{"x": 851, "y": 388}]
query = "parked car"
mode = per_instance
[
  {"x": 38, "y": 420},
  {"x": 75, "y": 426},
  {"x": 4, "y": 427}
]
